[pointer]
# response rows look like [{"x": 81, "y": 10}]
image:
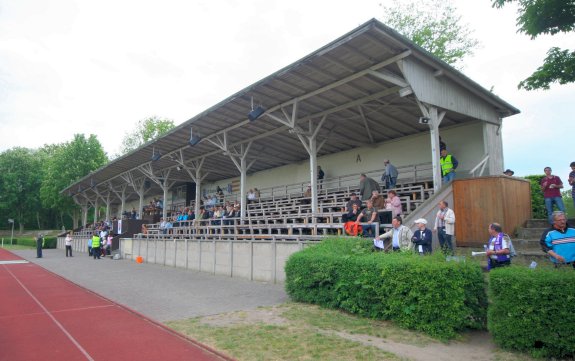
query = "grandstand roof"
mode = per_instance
[{"x": 363, "y": 82}]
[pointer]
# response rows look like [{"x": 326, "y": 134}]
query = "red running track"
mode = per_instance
[{"x": 46, "y": 317}]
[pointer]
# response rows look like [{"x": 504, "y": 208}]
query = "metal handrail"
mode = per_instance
[{"x": 481, "y": 164}]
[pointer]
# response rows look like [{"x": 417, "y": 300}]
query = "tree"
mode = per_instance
[
  {"x": 434, "y": 25},
  {"x": 66, "y": 163},
  {"x": 551, "y": 17},
  {"x": 146, "y": 130},
  {"x": 20, "y": 177}
]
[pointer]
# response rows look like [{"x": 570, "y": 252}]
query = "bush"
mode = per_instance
[
  {"x": 421, "y": 293},
  {"x": 537, "y": 201},
  {"x": 49, "y": 242},
  {"x": 533, "y": 310}
]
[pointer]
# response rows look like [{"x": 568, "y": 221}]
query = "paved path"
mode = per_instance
[{"x": 159, "y": 292}]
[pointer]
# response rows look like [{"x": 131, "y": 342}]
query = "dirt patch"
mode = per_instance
[
  {"x": 478, "y": 348},
  {"x": 268, "y": 316}
]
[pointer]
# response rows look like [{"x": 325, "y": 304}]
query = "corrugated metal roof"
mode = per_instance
[{"x": 332, "y": 81}]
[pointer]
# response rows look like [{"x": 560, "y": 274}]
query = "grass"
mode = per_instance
[
  {"x": 295, "y": 331},
  {"x": 304, "y": 334}
]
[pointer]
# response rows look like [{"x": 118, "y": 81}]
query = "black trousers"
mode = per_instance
[{"x": 68, "y": 250}]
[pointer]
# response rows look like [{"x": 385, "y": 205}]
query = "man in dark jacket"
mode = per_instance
[
  {"x": 367, "y": 186},
  {"x": 39, "y": 244},
  {"x": 422, "y": 237}
]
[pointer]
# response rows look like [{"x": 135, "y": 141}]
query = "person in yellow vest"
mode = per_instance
[
  {"x": 448, "y": 165},
  {"x": 96, "y": 245}
]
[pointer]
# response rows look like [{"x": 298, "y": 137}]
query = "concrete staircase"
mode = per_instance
[{"x": 526, "y": 242}]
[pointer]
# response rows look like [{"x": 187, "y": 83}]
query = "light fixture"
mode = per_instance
[
  {"x": 256, "y": 112},
  {"x": 156, "y": 156},
  {"x": 424, "y": 120},
  {"x": 194, "y": 138},
  {"x": 179, "y": 168}
]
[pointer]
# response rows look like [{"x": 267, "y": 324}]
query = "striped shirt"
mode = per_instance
[{"x": 562, "y": 243}]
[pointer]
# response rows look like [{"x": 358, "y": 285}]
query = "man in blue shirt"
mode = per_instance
[{"x": 559, "y": 240}]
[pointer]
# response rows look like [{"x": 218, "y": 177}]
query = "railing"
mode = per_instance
[
  {"x": 407, "y": 174},
  {"x": 481, "y": 166}
]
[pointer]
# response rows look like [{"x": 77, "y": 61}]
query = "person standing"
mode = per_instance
[
  {"x": 68, "y": 243},
  {"x": 96, "y": 245},
  {"x": 367, "y": 186},
  {"x": 39, "y": 244},
  {"x": 445, "y": 227},
  {"x": 393, "y": 203},
  {"x": 422, "y": 237},
  {"x": 497, "y": 250},
  {"x": 572, "y": 181},
  {"x": 320, "y": 176},
  {"x": 448, "y": 165},
  {"x": 389, "y": 175},
  {"x": 399, "y": 234},
  {"x": 551, "y": 185}
]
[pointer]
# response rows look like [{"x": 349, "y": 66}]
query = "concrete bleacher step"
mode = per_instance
[
  {"x": 536, "y": 223},
  {"x": 530, "y": 233}
]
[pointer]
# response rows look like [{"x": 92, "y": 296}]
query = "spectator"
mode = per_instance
[
  {"x": 251, "y": 196},
  {"x": 442, "y": 144},
  {"x": 399, "y": 234},
  {"x": 369, "y": 215},
  {"x": 39, "y": 245},
  {"x": 349, "y": 206},
  {"x": 551, "y": 185},
  {"x": 220, "y": 194},
  {"x": 144, "y": 229},
  {"x": 448, "y": 165},
  {"x": 367, "y": 186},
  {"x": 422, "y": 238},
  {"x": 320, "y": 176},
  {"x": 445, "y": 227},
  {"x": 350, "y": 225},
  {"x": 307, "y": 193},
  {"x": 509, "y": 172},
  {"x": 96, "y": 245},
  {"x": 68, "y": 243},
  {"x": 257, "y": 192},
  {"x": 163, "y": 225},
  {"x": 559, "y": 240},
  {"x": 393, "y": 203},
  {"x": 390, "y": 174},
  {"x": 497, "y": 249},
  {"x": 134, "y": 213},
  {"x": 572, "y": 181},
  {"x": 107, "y": 244},
  {"x": 378, "y": 200}
]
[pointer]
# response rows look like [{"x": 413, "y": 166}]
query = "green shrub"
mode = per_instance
[
  {"x": 421, "y": 293},
  {"x": 537, "y": 201},
  {"x": 50, "y": 242},
  {"x": 533, "y": 310}
]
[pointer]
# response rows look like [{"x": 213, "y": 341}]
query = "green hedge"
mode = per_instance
[
  {"x": 421, "y": 293},
  {"x": 533, "y": 310},
  {"x": 49, "y": 242},
  {"x": 537, "y": 200}
]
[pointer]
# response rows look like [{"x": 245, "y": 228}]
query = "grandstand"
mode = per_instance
[{"x": 367, "y": 96}]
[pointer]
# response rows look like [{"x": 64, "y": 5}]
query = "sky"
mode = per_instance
[{"x": 98, "y": 67}]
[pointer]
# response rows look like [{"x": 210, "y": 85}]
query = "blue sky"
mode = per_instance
[{"x": 72, "y": 66}]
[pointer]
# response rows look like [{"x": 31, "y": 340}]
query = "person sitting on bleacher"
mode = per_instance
[
  {"x": 251, "y": 196},
  {"x": 351, "y": 227},
  {"x": 393, "y": 203},
  {"x": 349, "y": 207},
  {"x": 377, "y": 200},
  {"x": 163, "y": 225},
  {"x": 370, "y": 216},
  {"x": 190, "y": 216}
]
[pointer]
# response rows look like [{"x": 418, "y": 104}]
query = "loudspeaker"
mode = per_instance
[
  {"x": 256, "y": 113},
  {"x": 195, "y": 139}
]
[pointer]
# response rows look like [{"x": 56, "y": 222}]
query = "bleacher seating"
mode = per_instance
[{"x": 289, "y": 214}]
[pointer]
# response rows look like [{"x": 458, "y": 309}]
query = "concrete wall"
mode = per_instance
[{"x": 253, "y": 260}]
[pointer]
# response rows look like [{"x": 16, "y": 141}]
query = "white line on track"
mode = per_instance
[{"x": 82, "y": 350}]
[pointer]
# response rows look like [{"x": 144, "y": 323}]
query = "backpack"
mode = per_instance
[{"x": 512, "y": 252}]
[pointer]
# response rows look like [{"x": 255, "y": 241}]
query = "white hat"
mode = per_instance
[{"x": 421, "y": 220}]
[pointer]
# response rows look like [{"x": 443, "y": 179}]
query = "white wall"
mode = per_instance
[{"x": 465, "y": 142}]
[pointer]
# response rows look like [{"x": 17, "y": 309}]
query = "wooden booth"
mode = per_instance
[{"x": 480, "y": 201}]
